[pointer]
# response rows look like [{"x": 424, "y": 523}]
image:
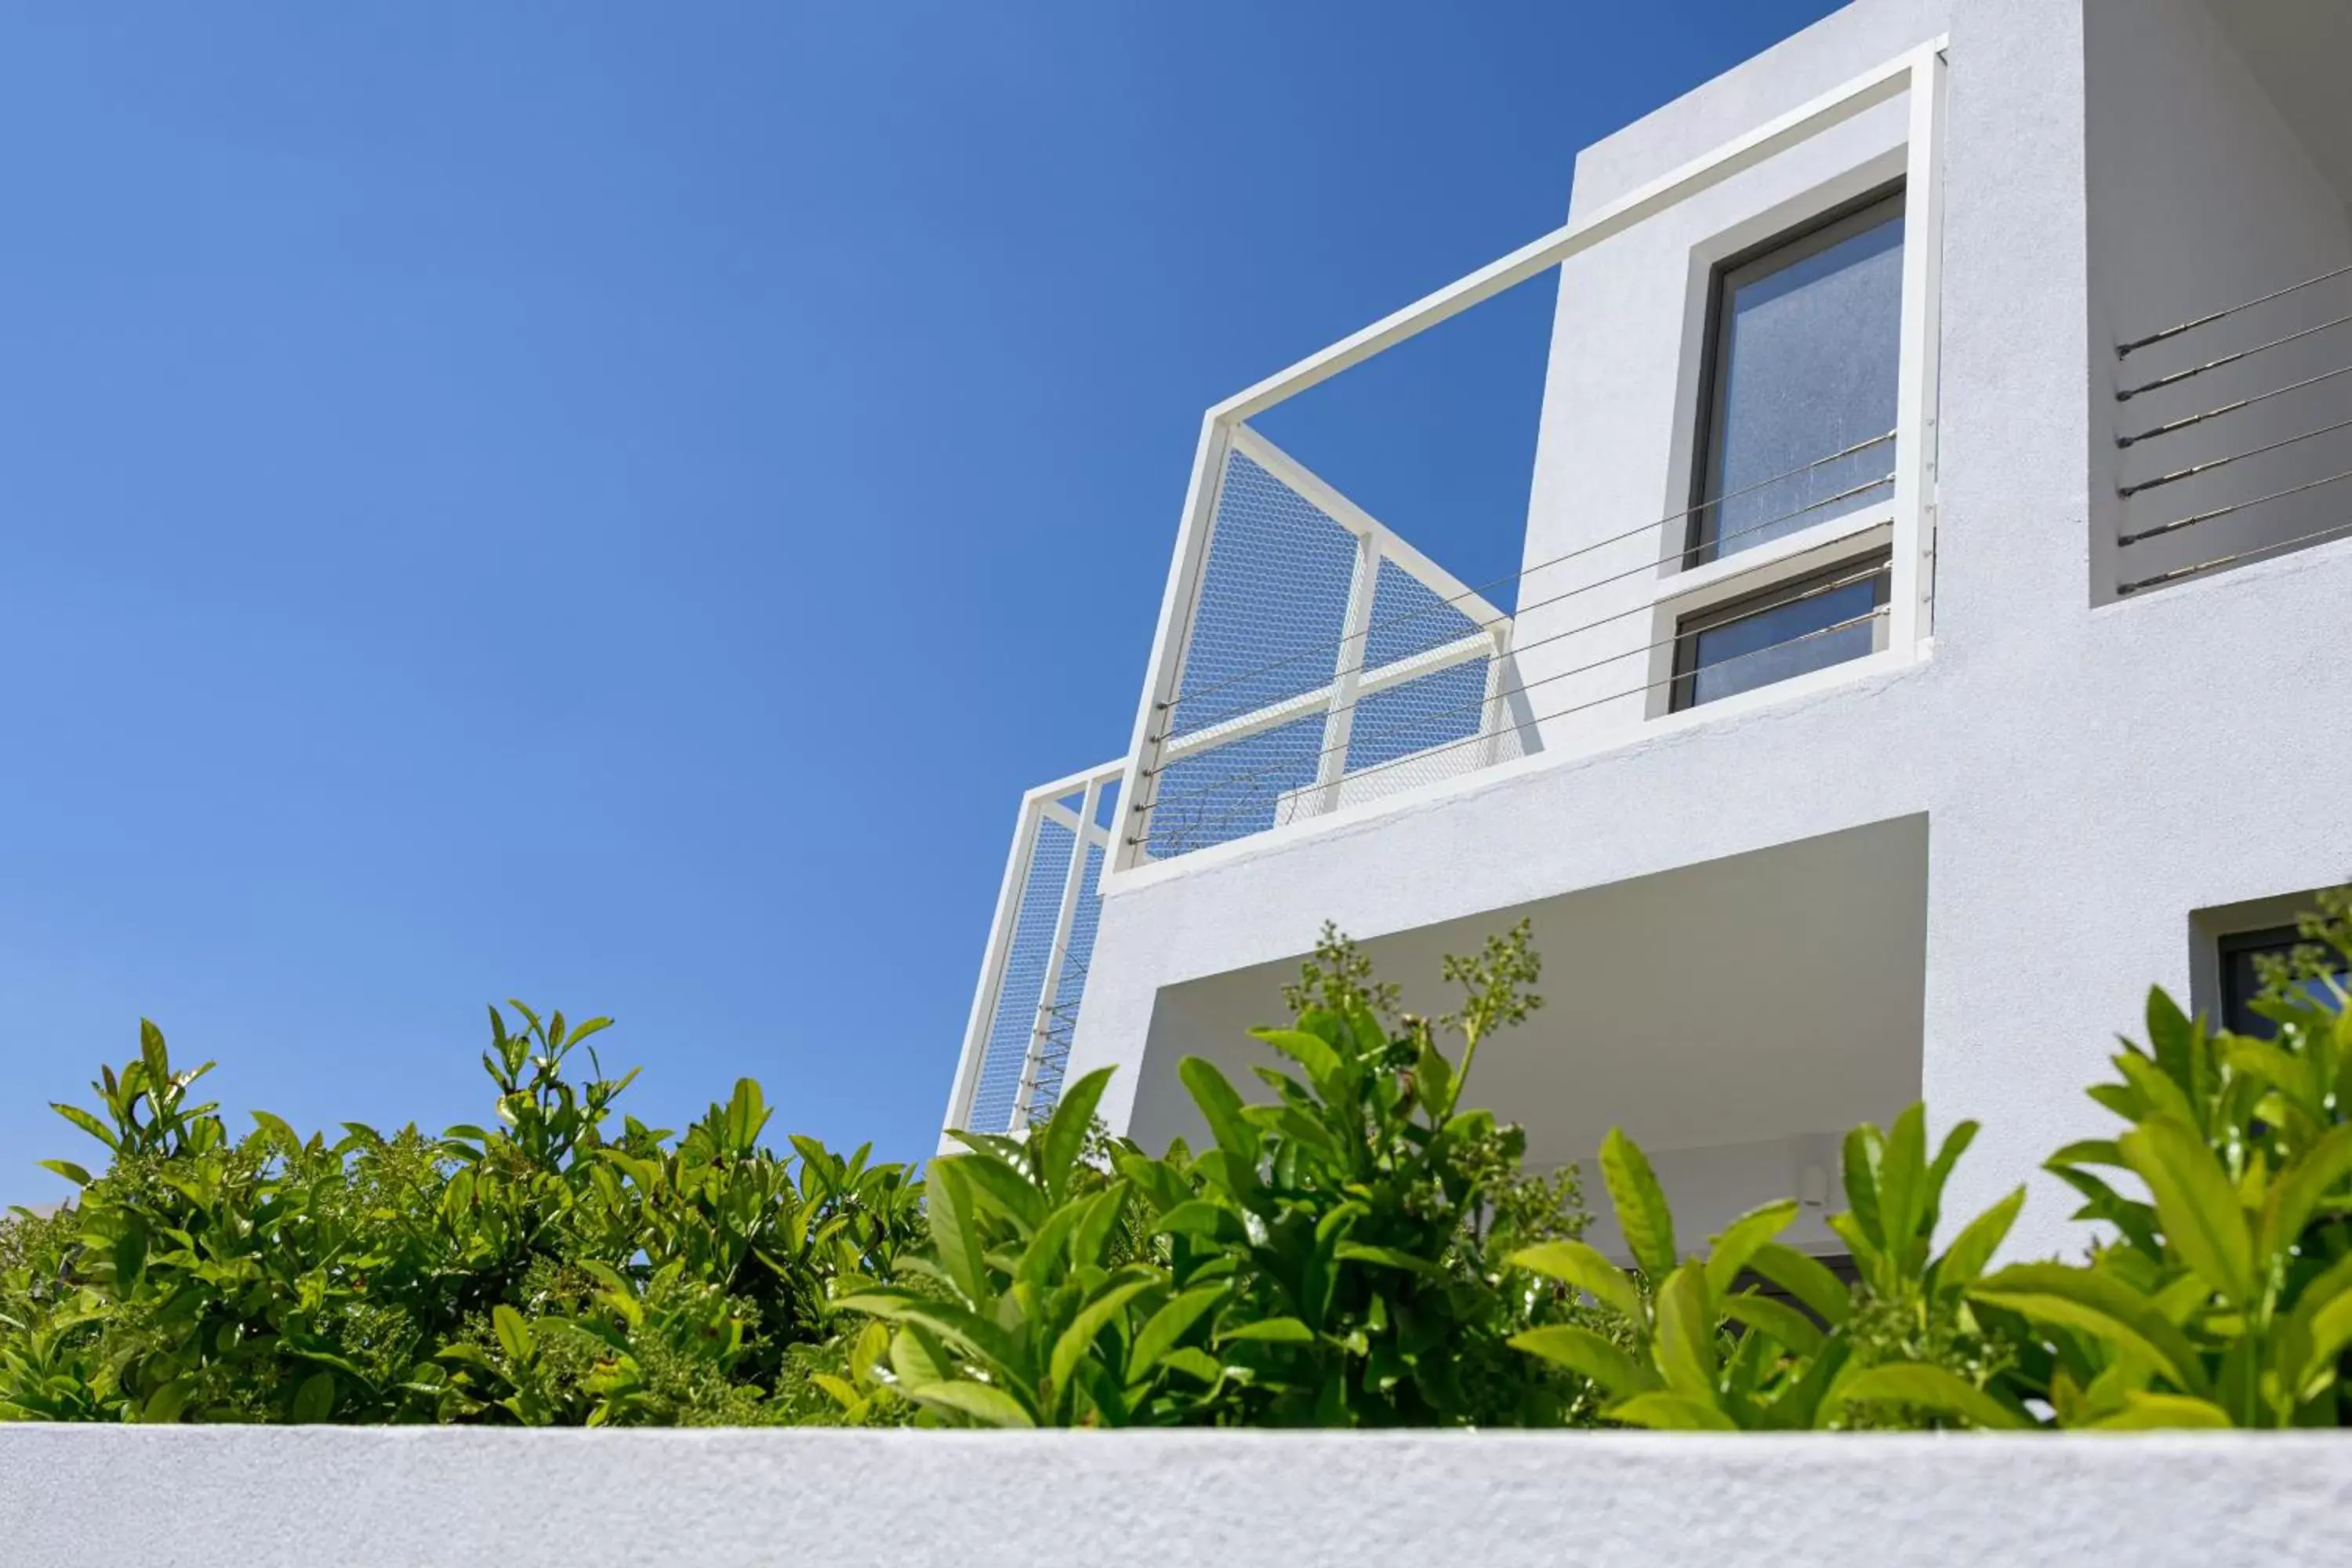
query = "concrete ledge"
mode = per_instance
[{"x": 407, "y": 1498}]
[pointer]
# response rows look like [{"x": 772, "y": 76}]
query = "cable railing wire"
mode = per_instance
[
  {"x": 1407, "y": 617},
  {"x": 2124, "y": 351},
  {"x": 1861, "y": 575},
  {"x": 1477, "y": 626},
  {"x": 1359, "y": 668},
  {"x": 2249, "y": 553},
  {"x": 2177, "y": 377},
  {"x": 1420, "y": 756},
  {"x": 1578, "y": 630},
  {"x": 2174, "y": 426},
  {"x": 2179, "y": 523},
  {"x": 2206, "y": 467}
]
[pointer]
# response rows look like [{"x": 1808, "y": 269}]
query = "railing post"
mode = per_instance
[
  {"x": 1348, "y": 674},
  {"x": 1910, "y": 615}
]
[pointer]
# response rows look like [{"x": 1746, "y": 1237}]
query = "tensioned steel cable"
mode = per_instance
[
  {"x": 2179, "y": 523},
  {"x": 1400, "y": 619},
  {"x": 2177, "y": 424},
  {"x": 1861, "y": 576},
  {"x": 1645, "y": 609},
  {"x": 1357, "y": 668},
  {"x": 2191, "y": 472},
  {"x": 2177, "y": 377},
  {"x": 2124, "y": 351},
  {"x": 1562, "y": 713},
  {"x": 2247, "y": 554}
]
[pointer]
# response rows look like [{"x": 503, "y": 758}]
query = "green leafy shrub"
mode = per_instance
[
  {"x": 2226, "y": 1298},
  {"x": 548, "y": 1270},
  {"x": 1702, "y": 1344},
  {"x": 1336, "y": 1257}
]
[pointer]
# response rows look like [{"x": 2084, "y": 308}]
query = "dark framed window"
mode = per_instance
[
  {"x": 1805, "y": 624},
  {"x": 2242, "y": 979},
  {"x": 1804, "y": 349}
]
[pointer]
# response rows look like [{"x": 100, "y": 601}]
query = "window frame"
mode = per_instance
[
  {"x": 1688, "y": 628},
  {"x": 1781, "y": 251}
]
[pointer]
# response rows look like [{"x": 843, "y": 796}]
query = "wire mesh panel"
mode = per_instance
[
  {"x": 1024, "y": 1015},
  {"x": 1317, "y": 644},
  {"x": 1014, "y": 1021},
  {"x": 1273, "y": 600}
]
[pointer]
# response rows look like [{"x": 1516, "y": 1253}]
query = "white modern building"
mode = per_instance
[{"x": 1933, "y": 623}]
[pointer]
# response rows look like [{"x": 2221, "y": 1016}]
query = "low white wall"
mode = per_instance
[{"x": 252, "y": 1498}]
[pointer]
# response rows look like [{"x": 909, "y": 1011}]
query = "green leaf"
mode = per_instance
[
  {"x": 1863, "y": 1148},
  {"x": 157, "y": 1061},
  {"x": 1685, "y": 1342},
  {"x": 1079, "y": 1337},
  {"x": 1806, "y": 1279},
  {"x": 1741, "y": 1238},
  {"x": 69, "y": 1170},
  {"x": 1930, "y": 1388},
  {"x": 955, "y": 1233},
  {"x": 2102, "y": 1307},
  {"x": 1194, "y": 1362},
  {"x": 1065, "y": 1133},
  {"x": 1270, "y": 1330},
  {"x": 1574, "y": 1263},
  {"x": 1098, "y": 1221},
  {"x": 2296, "y": 1194},
  {"x": 2169, "y": 1036},
  {"x": 2088, "y": 1152},
  {"x": 1903, "y": 1179},
  {"x": 2195, "y": 1203},
  {"x": 87, "y": 1124},
  {"x": 1588, "y": 1355},
  {"x": 164, "y": 1407},
  {"x": 1777, "y": 1319},
  {"x": 513, "y": 1334},
  {"x": 1971, "y": 1251},
  {"x": 994, "y": 1182},
  {"x": 1169, "y": 1324},
  {"x": 1221, "y": 1105},
  {"x": 2144, "y": 1412},
  {"x": 982, "y": 1403},
  {"x": 1309, "y": 1052},
  {"x": 1199, "y": 1216},
  {"x": 1670, "y": 1413},
  {"x": 315, "y": 1400},
  {"x": 1642, "y": 1212},
  {"x": 1389, "y": 1258}
]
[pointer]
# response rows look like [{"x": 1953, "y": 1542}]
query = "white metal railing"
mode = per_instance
[
  {"x": 2235, "y": 430},
  {"x": 1033, "y": 975},
  {"x": 1309, "y": 658}
]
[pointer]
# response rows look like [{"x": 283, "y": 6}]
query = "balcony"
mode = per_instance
[{"x": 1731, "y": 500}]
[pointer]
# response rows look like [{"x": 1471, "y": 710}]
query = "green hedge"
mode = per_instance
[{"x": 1355, "y": 1247}]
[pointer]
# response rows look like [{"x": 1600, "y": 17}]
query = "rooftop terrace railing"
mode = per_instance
[{"x": 1310, "y": 659}]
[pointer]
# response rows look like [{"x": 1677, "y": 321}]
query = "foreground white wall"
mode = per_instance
[{"x": 412, "y": 1498}]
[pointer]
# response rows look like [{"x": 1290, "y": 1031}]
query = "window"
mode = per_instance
[
  {"x": 1805, "y": 625},
  {"x": 1804, "y": 346},
  {"x": 2242, "y": 981}
]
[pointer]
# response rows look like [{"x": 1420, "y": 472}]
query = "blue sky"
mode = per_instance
[{"x": 610, "y": 504}]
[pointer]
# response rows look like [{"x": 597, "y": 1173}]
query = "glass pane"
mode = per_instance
[
  {"x": 1809, "y": 346},
  {"x": 1784, "y": 640},
  {"x": 2241, "y": 982}
]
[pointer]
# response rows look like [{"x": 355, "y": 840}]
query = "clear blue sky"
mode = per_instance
[{"x": 610, "y": 504}]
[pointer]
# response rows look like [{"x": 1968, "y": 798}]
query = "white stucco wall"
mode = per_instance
[
  {"x": 2091, "y": 774},
  {"x": 408, "y": 1497}
]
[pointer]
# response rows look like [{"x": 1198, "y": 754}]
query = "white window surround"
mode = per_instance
[{"x": 1905, "y": 524}]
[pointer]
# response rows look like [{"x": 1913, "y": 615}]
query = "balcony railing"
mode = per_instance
[
  {"x": 1310, "y": 659},
  {"x": 1025, "y": 1007},
  {"x": 2236, "y": 433}
]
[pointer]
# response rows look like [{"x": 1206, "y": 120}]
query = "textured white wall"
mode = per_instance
[{"x": 258, "y": 1497}]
